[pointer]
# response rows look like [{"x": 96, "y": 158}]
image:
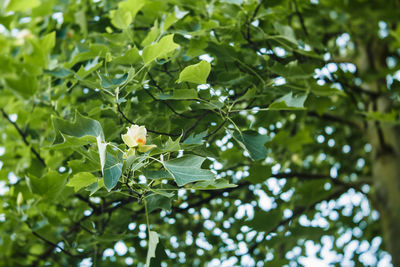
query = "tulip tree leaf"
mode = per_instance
[
  {"x": 121, "y": 18},
  {"x": 187, "y": 169},
  {"x": 157, "y": 201},
  {"x": 265, "y": 220},
  {"x": 49, "y": 186},
  {"x": 112, "y": 171},
  {"x": 253, "y": 143},
  {"x": 153, "y": 241},
  {"x": 179, "y": 95},
  {"x": 159, "y": 50},
  {"x": 195, "y": 139},
  {"x": 289, "y": 102},
  {"x": 81, "y": 180},
  {"x": 113, "y": 83},
  {"x": 213, "y": 185},
  {"x": 80, "y": 127},
  {"x": 197, "y": 73},
  {"x": 21, "y": 5}
]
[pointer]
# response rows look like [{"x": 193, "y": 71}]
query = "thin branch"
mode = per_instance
[
  {"x": 37, "y": 155},
  {"x": 296, "y": 213},
  {"x": 298, "y": 13},
  {"x": 53, "y": 244},
  {"x": 149, "y": 130},
  {"x": 185, "y": 133}
]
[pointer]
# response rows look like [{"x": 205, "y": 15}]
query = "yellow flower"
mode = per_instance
[{"x": 135, "y": 137}]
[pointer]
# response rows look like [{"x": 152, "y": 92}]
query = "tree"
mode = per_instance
[{"x": 271, "y": 125}]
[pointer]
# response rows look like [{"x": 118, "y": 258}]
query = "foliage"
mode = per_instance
[{"x": 256, "y": 113}]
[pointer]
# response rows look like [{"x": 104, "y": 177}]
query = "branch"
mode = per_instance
[
  {"x": 296, "y": 213},
  {"x": 149, "y": 130},
  {"x": 336, "y": 119},
  {"x": 298, "y": 13},
  {"x": 37, "y": 155},
  {"x": 185, "y": 133}
]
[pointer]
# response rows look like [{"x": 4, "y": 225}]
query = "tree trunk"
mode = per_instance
[{"x": 386, "y": 179}]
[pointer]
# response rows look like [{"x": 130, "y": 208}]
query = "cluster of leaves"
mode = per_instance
[{"x": 228, "y": 83}]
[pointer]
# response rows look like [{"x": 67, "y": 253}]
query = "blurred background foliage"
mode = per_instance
[{"x": 298, "y": 94}]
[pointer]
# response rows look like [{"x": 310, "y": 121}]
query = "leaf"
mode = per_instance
[
  {"x": 187, "y": 169},
  {"x": 213, "y": 185},
  {"x": 153, "y": 241},
  {"x": 21, "y": 5},
  {"x": 160, "y": 49},
  {"x": 179, "y": 95},
  {"x": 152, "y": 35},
  {"x": 113, "y": 83},
  {"x": 24, "y": 84},
  {"x": 157, "y": 201},
  {"x": 49, "y": 186},
  {"x": 169, "y": 146},
  {"x": 258, "y": 173},
  {"x": 286, "y": 32},
  {"x": 93, "y": 188},
  {"x": 265, "y": 221},
  {"x": 130, "y": 57},
  {"x": 102, "y": 152},
  {"x": 197, "y": 73},
  {"x": 253, "y": 143},
  {"x": 121, "y": 18},
  {"x": 81, "y": 180},
  {"x": 289, "y": 102},
  {"x": 195, "y": 139},
  {"x": 112, "y": 171},
  {"x": 80, "y": 127},
  {"x": 132, "y": 6},
  {"x": 59, "y": 73},
  {"x": 149, "y": 174}
]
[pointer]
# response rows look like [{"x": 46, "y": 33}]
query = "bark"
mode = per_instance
[
  {"x": 386, "y": 180},
  {"x": 384, "y": 138}
]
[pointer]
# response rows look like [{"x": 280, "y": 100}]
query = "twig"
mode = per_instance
[
  {"x": 5, "y": 115},
  {"x": 149, "y": 130}
]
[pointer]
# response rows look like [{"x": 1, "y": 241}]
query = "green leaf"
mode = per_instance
[
  {"x": 113, "y": 83},
  {"x": 130, "y": 57},
  {"x": 213, "y": 185},
  {"x": 187, "y": 169},
  {"x": 285, "y": 31},
  {"x": 157, "y": 201},
  {"x": 121, "y": 18},
  {"x": 93, "y": 188},
  {"x": 59, "y": 73},
  {"x": 90, "y": 67},
  {"x": 80, "y": 127},
  {"x": 265, "y": 221},
  {"x": 94, "y": 50},
  {"x": 197, "y": 73},
  {"x": 289, "y": 102},
  {"x": 152, "y": 35},
  {"x": 151, "y": 252},
  {"x": 159, "y": 50},
  {"x": 179, "y": 95},
  {"x": 101, "y": 145},
  {"x": 49, "y": 186},
  {"x": 24, "y": 84},
  {"x": 81, "y": 180},
  {"x": 112, "y": 171},
  {"x": 195, "y": 139},
  {"x": 149, "y": 174},
  {"x": 258, "y": 173},
  {"x": 163, "y": 147},
  {"x": 253, "y": 143},
  {"x": 21, "y": 5}
]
